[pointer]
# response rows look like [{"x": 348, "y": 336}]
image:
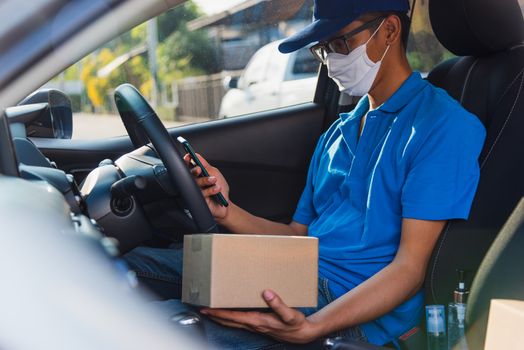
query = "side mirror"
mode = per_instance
[
  {"x": 56, "y": 121},
  {"x": 230, "y": 82}
]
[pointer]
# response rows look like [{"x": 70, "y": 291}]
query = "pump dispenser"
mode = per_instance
[
  {"x": 457, "y": 316},
  {"x": 460, "y": 295}
]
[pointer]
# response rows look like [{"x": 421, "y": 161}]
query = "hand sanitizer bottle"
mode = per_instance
[
  {"x": 436, "y": 327},
  {"x": 457, "y": 317}
]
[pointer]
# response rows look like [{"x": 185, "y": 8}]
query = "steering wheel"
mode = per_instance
[{"x": 143, "y": 125}]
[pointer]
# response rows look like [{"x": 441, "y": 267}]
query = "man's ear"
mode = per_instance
[{"x": 393, "y": 28}]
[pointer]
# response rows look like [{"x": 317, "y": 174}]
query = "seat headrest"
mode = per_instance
[{"x": 477, "y": 27}]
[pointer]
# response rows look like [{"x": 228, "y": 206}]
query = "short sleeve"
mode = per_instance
[
  {"x": 444, "y": 173},
  {"x": 305, "y": 212}
]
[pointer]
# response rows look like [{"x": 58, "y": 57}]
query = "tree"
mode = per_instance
[
  {"x": 186, "y": 53},
  {"x": 424, "y": 50},
  {"x": 176, "y": 18},
  {"x": 96, "y": 87},
  {"x": 180, "y": 53}
]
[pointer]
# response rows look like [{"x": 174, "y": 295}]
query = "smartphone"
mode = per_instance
[{"x": 187, "y": 146}]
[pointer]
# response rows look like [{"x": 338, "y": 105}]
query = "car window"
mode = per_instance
[
  {"x": 424, "y": 50},
  {"x": 304, "y": 65},
  {"x": 256, "y": 69},
  {"x": 188, "y": 62}
]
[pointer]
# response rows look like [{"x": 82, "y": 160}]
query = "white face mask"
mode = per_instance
[{"x": 354, "y": 73}]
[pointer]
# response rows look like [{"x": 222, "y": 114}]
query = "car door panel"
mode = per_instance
[
  {"x": 263, "y": 156},
  {"x": 79, "y": 157}
]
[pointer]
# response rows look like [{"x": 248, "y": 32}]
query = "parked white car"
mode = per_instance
[{"x": 272, "y": 80}]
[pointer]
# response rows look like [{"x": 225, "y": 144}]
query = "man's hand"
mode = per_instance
[
  {"x": 210, "y": 186},
  {"x": 284, "y": 323},
  {"x": 234, "y": 218}
]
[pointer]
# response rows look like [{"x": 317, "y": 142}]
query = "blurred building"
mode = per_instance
[{"x": 244, "y": 28}]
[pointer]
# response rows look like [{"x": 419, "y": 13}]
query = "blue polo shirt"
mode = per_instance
[{"x": 417, "y": 158}]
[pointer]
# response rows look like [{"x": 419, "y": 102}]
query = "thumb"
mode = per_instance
[
  {"x": 187, "y": 159},
  {"x": 287, "y": 314}
]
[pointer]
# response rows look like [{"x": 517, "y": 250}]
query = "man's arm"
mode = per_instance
[
  {"x": 234, "y": 218},
  {"x": 375, "y": 297},
  {"x": 240, "y": 221},
  {"x": 390, "y": 287}
]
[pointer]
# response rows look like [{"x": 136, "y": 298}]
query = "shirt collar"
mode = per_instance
[
  {"x": 358, "y": 112},
  {"x": 404, "y": 94}
]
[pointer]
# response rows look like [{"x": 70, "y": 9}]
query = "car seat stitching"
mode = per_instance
[
  {"x": 434, "y": 268},
  {"x": 445, "y": 233},
  {"x": 437, "y": 255},
  {"x": 466, "y": 83},
  {"x": 505, "y": 122},
  {"x": 510, "y": 85},
  {"x": 518, "y": 46}
]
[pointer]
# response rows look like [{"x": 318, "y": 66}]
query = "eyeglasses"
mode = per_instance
[{"x": 340, "y": 43}]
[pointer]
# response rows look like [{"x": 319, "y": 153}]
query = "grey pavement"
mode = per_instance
[{"x": 96, "y": 126}]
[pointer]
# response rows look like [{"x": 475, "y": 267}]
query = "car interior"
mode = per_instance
[{"x": 137, "y": 190}]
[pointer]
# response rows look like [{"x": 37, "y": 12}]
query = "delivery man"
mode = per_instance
[{"x": 382, "y": 183}]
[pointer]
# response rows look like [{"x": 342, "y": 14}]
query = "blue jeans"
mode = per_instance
[{"x": 161, "y": 271}]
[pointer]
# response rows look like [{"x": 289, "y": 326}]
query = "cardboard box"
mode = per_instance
[
  {"x": 232, "y": 271},
  {"x": 505, "y": 325}
]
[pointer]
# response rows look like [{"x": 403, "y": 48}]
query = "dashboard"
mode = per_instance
[{"x": 112, "y": 194}]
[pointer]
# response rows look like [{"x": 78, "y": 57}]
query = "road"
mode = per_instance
[{"x": 97, "y": 126}]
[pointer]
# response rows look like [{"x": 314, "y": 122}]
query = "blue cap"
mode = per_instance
[{"x": 330, "y": 16}]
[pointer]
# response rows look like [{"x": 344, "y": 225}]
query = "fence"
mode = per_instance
[{"x": 200, "y": 97}]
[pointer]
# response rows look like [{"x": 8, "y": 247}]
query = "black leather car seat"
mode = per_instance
[
  {"x": 488, "y": 79},
  {"x": 495, "y": 278}
]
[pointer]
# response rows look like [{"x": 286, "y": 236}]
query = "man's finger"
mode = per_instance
[
  {"x": 229, "y": 323},
  {"x": 287, "y": 314},
  {"x": 211, "y": 191},
  {"x": 206, "y": 181},
  {"x": 247, "y": 318},
  {"x": 196, "y": 171}
]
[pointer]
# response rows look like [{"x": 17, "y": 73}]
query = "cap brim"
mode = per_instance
[{"x": 316, "y": 31}]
